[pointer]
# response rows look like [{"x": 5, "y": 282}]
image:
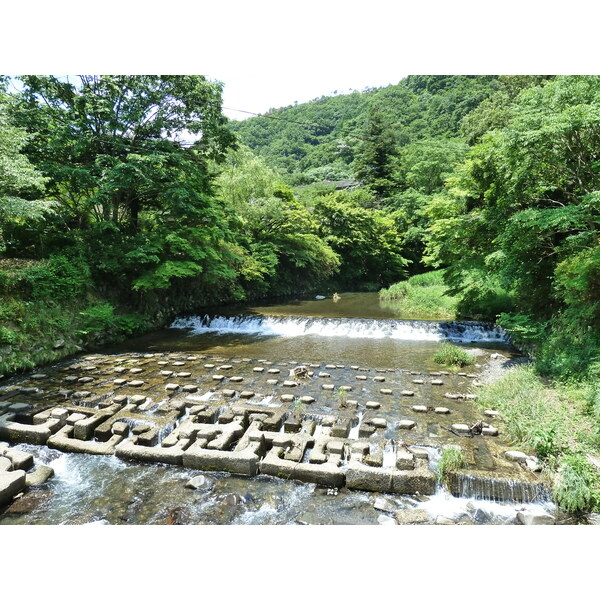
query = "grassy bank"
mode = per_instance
[
  {"x": 559, "y": 424},
  {"x": 49, "y": 309},
  {"x": 423, "y": 296}
]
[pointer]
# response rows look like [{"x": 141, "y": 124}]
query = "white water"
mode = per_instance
[{"x": 469, "y": 331}]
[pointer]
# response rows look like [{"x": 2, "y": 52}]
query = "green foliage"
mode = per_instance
[
  {"x": 8, "y": 336},
  {"x": 452, "y": 458},
  {"x": 577, "y": 485},
  {"x": 101, "y": 318},
  {"x": 422, "y": 296},
  {"x": 451, "y": 355},
  {"x": 57, "y": 279},
  {"x": 366, "y": 240}
]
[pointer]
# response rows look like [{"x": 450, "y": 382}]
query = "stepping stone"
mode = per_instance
[
  {"x": 218, "y": 377},
  {"x": 361, "y": 377},
  {"x": 272, "y": 381},
  {"x": 136, "y": 383},
  {"x": 287, "y": 397},
  {"x": 307, "y": 399},
  {"x": 290, "y": 383},
  {"x": 328, "y": 386},
  {"x": 407, "y": 393},
  {"x": 166, "y": 373},
  {"x": 406, "y": 424},
  {"x": 470, "y": 396},
  {"x": 461, "y": 374},
  {"x": 71, "y": 378},
  {"x": 120, "y": 369},
  {"x": 78, "y": 395},
  {"x": 418, "y": 381},
  {"x": 345, "y": 388},
  {"x": 38, "y": 376},
  {"x": 246, "y": 394},
  {"x": 119, "y": 381},
  {"x": 209, "y": 366},
  {"x": 136, "y": 370},
  {"x": 374, "y": 405},
  {"x": 379, "y": 379},
  {"x": 171, "y": 387},
  {"x": 85, "y": 380},
  {"x": 516, "y": 456},
  {"x": 489, "y": 431},
  {"x": 419, "y": 408},
  {"x": 341, "y": 366},
  {"x": 434, "y": 373},
  {"x": 323, "y": 374},
  {"x": 184, "y": 374},
  {"x": 461, "y": 428},
  {"x": 377, "y": 422},
  {"x": 274, "y": 371},
  {"x": 192, "y": 358},
  {"x": 190, "y": 388},
  {"x": 178, "y": 364},
  {"x": 452, "y": 396},
  {"x": 351, "y": 403},
  {"x": 228, "y": 393},
  {"x": 386, "y": 391},
  {"x": 258, "y": 369},
  {"x": 437, "y": 382},
  {"x": 491, "y": 413},
  {"x": 236, "y": 379},
  {"x": 442, "y": 410},
  {"x": 162, "y": 363},
  {"x": 354, "y": 367},
  {"x": 224, "y": 367},
  {"x": 471, "y": 376},
  {"x": 330, "y": 366},
  {"x": 137, "y": 399},
  {"x": 74, "y": 417}
]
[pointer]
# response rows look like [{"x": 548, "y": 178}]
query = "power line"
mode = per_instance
[{"x": 271, "y": 117}]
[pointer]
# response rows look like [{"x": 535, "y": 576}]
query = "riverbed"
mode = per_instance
[{"x": 354, "y": 343}]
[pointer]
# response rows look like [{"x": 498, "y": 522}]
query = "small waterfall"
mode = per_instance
[
  {"x": 353, "y": 433},
  {"x": 467, "y": 331},
  {"x": 466, "y": 485}
]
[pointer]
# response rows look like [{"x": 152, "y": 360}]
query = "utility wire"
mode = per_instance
[{"x": 271, "y": 117}]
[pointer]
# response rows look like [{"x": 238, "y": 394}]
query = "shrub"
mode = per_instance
[
  {"x": 577, "y": 485},
  {"x": 451, "y": 355},
  {"x": 451, "y": 459}
]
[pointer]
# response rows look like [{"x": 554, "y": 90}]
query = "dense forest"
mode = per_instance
[{"x": 125, "y": 200}]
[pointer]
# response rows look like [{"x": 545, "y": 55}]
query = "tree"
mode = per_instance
[
  {"x": 116, "y": 145},
  {"x": 374, "y": 164},
  {"x": 20, "y": 183},
  {"x": 127, "y": 158}
]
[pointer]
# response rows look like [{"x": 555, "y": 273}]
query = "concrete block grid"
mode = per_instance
[{"x": 244, "y": 416}]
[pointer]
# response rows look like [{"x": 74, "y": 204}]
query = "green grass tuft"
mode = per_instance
[{"x": 452, "y": 356}]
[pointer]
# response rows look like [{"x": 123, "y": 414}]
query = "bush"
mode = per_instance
[
  {"x": 577, "y": 485},
  {"x": 451, "y": 459},
  {"x": 423, "y": 296},
  {"x": 59, "y": 278},
  {"x": 8, "y": 336},
  {"x": 451, "y": 355}
]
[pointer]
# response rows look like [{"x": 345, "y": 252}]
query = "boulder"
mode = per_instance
[
  {"x": 11, "y": 483},
  {"x": 535, "y": 516},
  {"x": 39, "y": 476},
  {"x": 516, "y": 456}
]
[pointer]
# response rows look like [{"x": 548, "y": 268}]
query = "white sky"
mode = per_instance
[{"x": 271, "y": 53}]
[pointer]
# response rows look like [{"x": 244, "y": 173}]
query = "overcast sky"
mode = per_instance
[{"x": 272, "y": 53}]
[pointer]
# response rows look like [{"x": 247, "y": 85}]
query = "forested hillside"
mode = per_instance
[{"x": 133, "y": 198}]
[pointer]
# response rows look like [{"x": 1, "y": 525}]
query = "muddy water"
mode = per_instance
[{"x": 109, "y": 490}]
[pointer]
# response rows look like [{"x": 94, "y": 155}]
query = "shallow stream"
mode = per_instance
[{"x": 353, "y": 335}]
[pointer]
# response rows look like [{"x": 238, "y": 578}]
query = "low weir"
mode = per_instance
[{"x": 285, "y": 326}]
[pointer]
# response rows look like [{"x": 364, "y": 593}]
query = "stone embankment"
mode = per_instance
[{"x": 333, "y": 425}]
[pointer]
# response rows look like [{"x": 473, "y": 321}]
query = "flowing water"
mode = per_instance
[{"x": 352, "y": 335}]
